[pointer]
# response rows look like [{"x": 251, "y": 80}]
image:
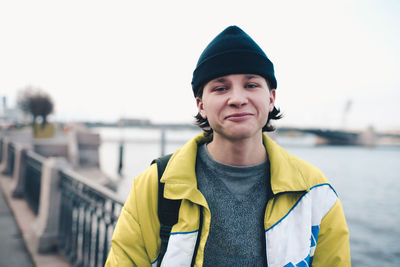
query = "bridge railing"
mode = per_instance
[
  {"x": 73, "y": 215},
  {"x": 87, "y": 219},
  {"x": 33, "y": 178}
]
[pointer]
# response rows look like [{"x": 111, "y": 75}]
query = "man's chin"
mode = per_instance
[{"x": 238, "y": 134}]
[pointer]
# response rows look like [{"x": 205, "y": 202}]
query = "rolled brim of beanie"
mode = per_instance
[{"x": 233, "y": 62}]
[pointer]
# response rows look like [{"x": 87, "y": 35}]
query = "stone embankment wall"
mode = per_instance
[{"x": 34, "y": 169}]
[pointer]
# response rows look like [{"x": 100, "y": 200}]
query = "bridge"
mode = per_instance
[
  {"x": 342, "y": 137},
  {"x": 368, "y": 137}
]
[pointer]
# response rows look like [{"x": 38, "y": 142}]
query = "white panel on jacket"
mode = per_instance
[
  {"x": 292, "y": 240},
  {"x": 180, "y": 249}
]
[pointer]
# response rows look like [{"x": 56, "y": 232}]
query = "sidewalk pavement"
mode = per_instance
[
  {"x": 12, "y": 247},
  {"x": 17, "y": 231}
]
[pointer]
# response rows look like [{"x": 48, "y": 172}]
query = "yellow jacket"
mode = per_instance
[{"x": 304, "y": 220}]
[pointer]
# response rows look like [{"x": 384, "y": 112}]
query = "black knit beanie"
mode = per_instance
[{"x": 232, "y": 52}]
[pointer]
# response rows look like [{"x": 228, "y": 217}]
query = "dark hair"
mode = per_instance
[{"x": 275, "y": 114}]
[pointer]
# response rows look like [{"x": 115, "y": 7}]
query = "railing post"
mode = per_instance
[
  {"x": 47, "y": 223},
  {"x": 5, "y": 163},
  {"x": 1, "y": 149},
  {"x": 121, "y": 157},
  {"x": 163, "y": 141}
]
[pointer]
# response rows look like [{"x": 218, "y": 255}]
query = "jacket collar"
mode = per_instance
[
  {"x": 286, "y": 176},
  {"x": 180, "y": 174}
]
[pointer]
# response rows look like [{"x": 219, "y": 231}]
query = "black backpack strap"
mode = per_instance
[
  {"x": 198, "y": 238},
  {"x": 168, "y": 209}
]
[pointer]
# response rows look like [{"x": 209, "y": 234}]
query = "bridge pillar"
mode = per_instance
[
  {"x": 368, "y": 137},
  {"x": 47, "y": 222},
  {"x": 83, "y": 149}
]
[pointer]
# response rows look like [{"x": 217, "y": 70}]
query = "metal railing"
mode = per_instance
[
  {"x": 87, "y": 219},
  {"x": 33, "y": 177}
]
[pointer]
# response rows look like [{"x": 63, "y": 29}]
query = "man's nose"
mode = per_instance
[{"x": 237, "y": 97}]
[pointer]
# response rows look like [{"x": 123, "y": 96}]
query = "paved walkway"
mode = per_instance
[
  {"x": 17, "y": 246},
  {"x": 12, "y": 247}
]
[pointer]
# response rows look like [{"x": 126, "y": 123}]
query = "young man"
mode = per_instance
[{"x": 245, "y": 201}]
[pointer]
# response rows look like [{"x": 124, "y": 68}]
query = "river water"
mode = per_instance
[{"x": 367, "y": 181}]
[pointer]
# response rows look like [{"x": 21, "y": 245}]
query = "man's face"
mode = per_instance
[{"x": 236, "y": 105}]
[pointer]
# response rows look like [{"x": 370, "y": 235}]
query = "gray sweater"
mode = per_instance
[{"x": 237, "y": 197}]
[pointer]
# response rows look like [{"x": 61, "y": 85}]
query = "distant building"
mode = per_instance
[
  {"x": 10, "y": 116},
  {"x": 133, "y": 122}
]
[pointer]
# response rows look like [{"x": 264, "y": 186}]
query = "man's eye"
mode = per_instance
[
  {"x": 219, "y": 89},
  {"x": 251, "y": 85}
]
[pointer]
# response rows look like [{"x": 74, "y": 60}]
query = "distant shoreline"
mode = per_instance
[{"x": 144, "y": 124}]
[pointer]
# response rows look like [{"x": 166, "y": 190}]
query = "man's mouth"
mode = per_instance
[{"x": 238, "y": 116}]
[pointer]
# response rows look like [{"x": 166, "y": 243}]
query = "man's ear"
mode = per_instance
[
  {"x": 272, "y": 96},
  {"x": 200, "y": 107}
]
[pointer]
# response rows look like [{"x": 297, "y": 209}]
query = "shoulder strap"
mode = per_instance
[{"x": 168, "y": 209}]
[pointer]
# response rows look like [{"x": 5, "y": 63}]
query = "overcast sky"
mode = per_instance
[{"x": 102, "y": 60}]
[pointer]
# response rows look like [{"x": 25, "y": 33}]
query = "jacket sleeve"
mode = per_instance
[
  {"x": 134, "y": 241},
  {"x": 333, "y": 248}
]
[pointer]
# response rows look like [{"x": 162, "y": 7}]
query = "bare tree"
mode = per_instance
[{"x": 36, "y": 103}]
